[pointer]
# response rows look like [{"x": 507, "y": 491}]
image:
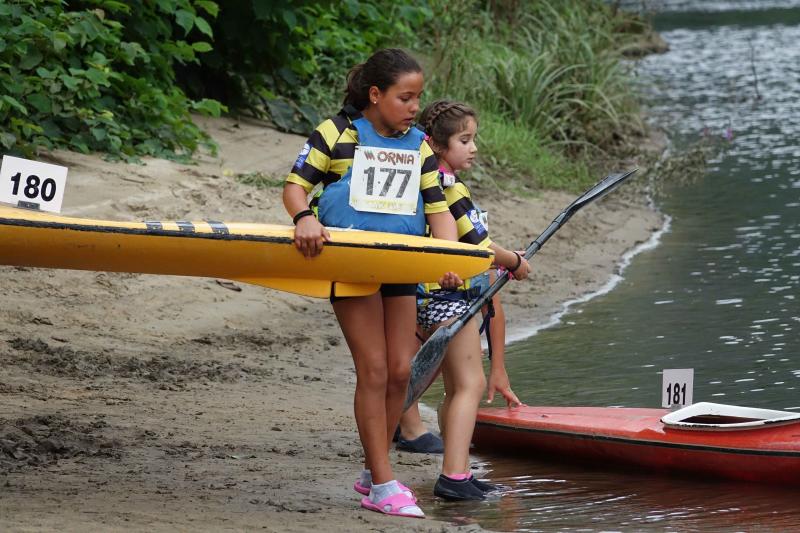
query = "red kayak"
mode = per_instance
[{"x": 707, "y": 439}]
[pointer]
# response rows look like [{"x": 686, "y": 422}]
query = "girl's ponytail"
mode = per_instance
[
  {"x": 381, "y": 70},
  {"x": 356, "y": 94}
]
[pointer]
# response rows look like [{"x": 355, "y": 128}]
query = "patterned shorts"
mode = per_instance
[{"x": 433, "y": 312}]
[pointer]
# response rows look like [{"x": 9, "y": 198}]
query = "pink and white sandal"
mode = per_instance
[
  {"x": 361, "y": 489},
  {"x": 395, "y": 505}
]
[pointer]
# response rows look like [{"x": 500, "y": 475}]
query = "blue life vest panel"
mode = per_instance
[{"x": 334, "y": 209}]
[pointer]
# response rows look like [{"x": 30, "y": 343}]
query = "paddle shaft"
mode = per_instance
[
  {"x": 425, "y": 365},
  {"x": 498, "y": 284}
]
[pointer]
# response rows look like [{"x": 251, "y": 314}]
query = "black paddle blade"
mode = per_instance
[
  {"x": 601, "y": 188},
  {"x": 425, "y": 365}
]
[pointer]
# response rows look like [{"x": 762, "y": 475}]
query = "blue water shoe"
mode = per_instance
[{"x": 425, "y": 443}]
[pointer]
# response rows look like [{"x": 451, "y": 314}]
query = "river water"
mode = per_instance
[{"x": 719, "y": 293}]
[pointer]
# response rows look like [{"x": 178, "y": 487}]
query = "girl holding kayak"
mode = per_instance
[
  {"x": 381, "y": 102},
  {"x": 451, "y": 128}
]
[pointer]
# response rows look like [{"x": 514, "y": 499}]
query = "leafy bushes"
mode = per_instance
[
  {"x": 123, "y": 77},
  {"x": 98, "y": 76},
  {"x": 289, "y": 60},
  {"x": 546, "y": 76}
]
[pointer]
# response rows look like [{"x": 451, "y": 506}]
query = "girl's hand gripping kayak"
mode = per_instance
[
  {"x": 310, "y": 236},
  {"x": 450, "y": 281}
]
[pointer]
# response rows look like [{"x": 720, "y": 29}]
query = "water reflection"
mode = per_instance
[{"x": 552, "y": 496}]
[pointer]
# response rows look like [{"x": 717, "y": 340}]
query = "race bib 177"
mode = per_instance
[{"x": 385, "y": 180}]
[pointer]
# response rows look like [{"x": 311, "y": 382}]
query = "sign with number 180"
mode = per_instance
[{"x": 29, "y": 183}]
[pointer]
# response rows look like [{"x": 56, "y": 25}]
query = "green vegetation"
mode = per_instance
[
  {"x": 288, "y": 61},
  {"x": 548, "y": 79},
  {"x": 546, "y": 76},
  {"x": 260, "y": 180},
  {"x": 98, "y": 75}
]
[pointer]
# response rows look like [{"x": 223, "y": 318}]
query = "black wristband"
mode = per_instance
[
  {"x": 519, "y": 262},
  {"x": 302, "y": 214}
]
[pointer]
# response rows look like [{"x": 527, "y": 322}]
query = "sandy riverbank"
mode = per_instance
[{"x": 165, "y": 403}]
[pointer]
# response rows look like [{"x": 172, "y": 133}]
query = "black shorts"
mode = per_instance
[{"x": 387, "y": 290}]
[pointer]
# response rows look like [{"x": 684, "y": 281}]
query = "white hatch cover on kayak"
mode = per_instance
[{"x": 708, "y": 416}]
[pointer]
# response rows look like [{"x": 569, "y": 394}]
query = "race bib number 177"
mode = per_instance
[{"x": 385, "y": 180}]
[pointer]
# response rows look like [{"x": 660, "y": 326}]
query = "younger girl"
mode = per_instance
[
  {"x": 451, "y": 128},
  {"x": 381, "y": 102}
]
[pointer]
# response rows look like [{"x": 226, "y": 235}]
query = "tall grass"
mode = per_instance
[
  {"x": 547, "y": 77},
  {"x": 513, "y": 155}
]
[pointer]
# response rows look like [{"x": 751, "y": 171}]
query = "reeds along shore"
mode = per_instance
[{"x": 550, "y": 81}]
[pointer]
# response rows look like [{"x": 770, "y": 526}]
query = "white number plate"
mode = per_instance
[
  {"x": 385, "y": 180},
  {"x": 32, "y": 184},
  {"x": 677, "y": 387}
]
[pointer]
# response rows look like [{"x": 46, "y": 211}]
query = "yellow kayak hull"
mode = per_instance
[{"x": 354, "y": 263}]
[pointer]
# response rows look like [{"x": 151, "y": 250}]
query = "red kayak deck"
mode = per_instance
[{"x": 637, "y": 437}]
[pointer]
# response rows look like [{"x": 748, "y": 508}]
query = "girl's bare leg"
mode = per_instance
[
  {"x": 362, "y": 322},
  {"x": 411, "y": 426},
  {"x": 400, "y": 319},
  {"x": 465, "y": 384}
]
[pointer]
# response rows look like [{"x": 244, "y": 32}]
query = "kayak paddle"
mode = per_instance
[{"x": 425, "y": 365}]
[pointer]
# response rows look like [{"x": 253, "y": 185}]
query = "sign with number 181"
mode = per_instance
[
  {"x": 27, "y": 183},
  {"x": 676, "y": 387}
]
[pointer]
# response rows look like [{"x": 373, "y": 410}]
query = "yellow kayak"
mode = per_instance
[{"x": 355, "y": 263}]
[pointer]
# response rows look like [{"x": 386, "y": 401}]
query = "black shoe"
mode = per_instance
[
  {"x": 425, "y": 443},
  {"x": 483, "y": 486},
  {"x": 457, "y": 490}
]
